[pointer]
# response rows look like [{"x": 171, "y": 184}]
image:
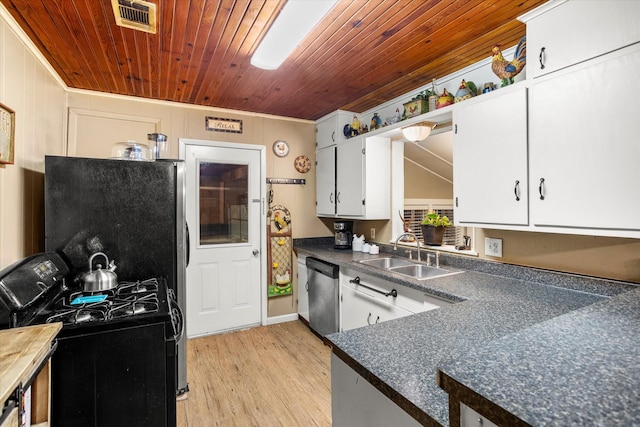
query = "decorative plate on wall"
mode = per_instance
[
  {"x": 302, "y": 164},
  {"x": 280, "y": 148}
]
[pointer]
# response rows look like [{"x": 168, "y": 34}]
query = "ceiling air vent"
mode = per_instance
[{"x": 136, "y": 14}]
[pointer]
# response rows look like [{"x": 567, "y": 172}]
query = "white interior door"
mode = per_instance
[{"x": 225, "y": 213}]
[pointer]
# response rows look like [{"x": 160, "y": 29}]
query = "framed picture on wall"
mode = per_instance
[{"x": 7, "y": 133}]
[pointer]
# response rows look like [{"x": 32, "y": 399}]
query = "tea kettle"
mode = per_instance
[{"x": 100, "y": 279}]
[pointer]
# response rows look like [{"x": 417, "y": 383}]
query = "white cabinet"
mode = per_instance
[
  {"x": 490, "y": 159},
  {"x": 560, "y": 34},
  {"x": 330, "y": 129},
  {"x": 362, "y": 309},
  {"x": 357, "y": 403},
  {"x": 353, "y": 179},
  {"x": 584, "y": 146},
  {"x": 367, "y": 300},
  {"x": 326, "y": 181},
  {"x": 470, "y": 418},
  {"x": 303, "y": 289}
]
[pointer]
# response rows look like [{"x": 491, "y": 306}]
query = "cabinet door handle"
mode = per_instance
[
  {"x": 541, "y": 188},
  {"x": 516, "y": 190},
  {"x": 377, "y": 319},
  {"x": 541, "y": 58},
  {"x": 338, "y": 197},
  {"x": 331, "y": 197},
  {"x": 333, "y": 136},
  {"x": 368, "y": 318}
]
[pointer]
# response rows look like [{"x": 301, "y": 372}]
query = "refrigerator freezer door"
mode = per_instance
[{"x": 131, "y": 211}]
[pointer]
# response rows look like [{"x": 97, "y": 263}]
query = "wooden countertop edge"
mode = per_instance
[{"x": 22, "y": 352}]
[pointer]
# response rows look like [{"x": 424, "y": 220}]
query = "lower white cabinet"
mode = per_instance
[
  {"x": 367, "y": 300},
  {"x": 361, "y": 309},
  {"x": 303, "y": 289},
  {"x": 470, "y": 418},
  {"x": 355, "y": 402}
]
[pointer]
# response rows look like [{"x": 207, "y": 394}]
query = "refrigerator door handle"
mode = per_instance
[{"x": 186, "y": 224}]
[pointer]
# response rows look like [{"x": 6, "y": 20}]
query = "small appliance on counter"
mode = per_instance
[
  {"x": 158, "y": 145},
  {"x": 343, "y": 234}
]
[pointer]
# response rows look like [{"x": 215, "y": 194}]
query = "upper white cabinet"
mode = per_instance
[
  {"x": 584, "y": 146},
  {"x": 353, "y": 179},
  {"x": 580, "y": 157},
  {"x": 326, "y": 181},
  {"x": 490, "y": 159},
  {"x": 563, "y": 33},
  {"x": 330, "y": 129}
]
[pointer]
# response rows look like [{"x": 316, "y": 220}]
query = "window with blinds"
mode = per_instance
[{"x": 414, "y": 215}]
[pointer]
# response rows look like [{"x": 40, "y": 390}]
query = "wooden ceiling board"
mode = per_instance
[
  {"x": 228, "y": 83},
  {"x": 362, "y": 54}
]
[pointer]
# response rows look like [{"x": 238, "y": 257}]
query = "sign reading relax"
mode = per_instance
[{"x": 223, "y": 125}]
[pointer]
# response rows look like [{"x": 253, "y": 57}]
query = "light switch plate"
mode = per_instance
[{"x": 493, "y": 247}]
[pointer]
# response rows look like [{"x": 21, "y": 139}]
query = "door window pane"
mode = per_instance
[{"x": 223, "y": 204}]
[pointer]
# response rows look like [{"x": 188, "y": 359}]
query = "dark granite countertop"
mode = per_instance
[
  {"x": 573, "y": 370},
  {"x": 401, "y": 357}
]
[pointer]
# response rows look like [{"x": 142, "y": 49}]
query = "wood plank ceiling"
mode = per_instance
[{"x": 362, "y": 54}]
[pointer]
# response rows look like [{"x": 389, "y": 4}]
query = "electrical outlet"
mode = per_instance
[
  {"x": 493, "y": 247},
  {"x": 373, "y": 233}
]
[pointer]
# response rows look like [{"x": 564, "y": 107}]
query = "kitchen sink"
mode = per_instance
[
  {"x": 407, "y": 267},
  {"x": 387, "y": 263},
  {"x": 420, "y": 271}
]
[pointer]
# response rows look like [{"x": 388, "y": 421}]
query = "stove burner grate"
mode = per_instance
[{"x": 126, "y": 300}]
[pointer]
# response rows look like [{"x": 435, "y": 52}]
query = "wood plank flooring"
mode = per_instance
[{"x": 277, "y": 375}]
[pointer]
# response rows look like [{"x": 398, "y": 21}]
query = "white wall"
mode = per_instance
[{"x": 39, "y": 100}]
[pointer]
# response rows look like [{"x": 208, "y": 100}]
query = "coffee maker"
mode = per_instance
[{"x": 344, "y": 234}]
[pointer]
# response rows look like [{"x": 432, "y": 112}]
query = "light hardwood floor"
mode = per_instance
[{"x": 277, "y": 375}]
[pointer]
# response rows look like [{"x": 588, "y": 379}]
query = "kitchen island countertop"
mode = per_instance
[{"x": 401, "y": 357}]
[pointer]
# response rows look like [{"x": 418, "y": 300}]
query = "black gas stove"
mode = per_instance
[
  {"x": 130, "y": 302},
  {"x": 115, "y": 362}
]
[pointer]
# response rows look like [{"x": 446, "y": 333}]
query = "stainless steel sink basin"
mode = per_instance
[
  {"x": 386, "y": 263},
  {"x": 407, "y": 268},
  {"x": 420, "y": 271}
]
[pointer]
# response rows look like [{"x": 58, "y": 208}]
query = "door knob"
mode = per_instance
[{"x": 255, "y": 252}]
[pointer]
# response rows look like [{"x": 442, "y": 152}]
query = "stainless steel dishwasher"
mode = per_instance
[{"x": 324, "y": 312}]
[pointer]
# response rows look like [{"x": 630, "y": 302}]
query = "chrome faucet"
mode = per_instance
[
  {"x": 429, "y": 263},
  {"x": 395, "y": 245}
]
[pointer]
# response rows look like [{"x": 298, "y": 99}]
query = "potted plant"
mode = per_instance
[{"x": 433, "y": 227}]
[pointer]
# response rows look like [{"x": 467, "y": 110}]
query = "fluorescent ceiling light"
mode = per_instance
[{"x": 295, "y": 21}]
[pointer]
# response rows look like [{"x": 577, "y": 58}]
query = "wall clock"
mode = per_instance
[{"x": 280, "y": 148}]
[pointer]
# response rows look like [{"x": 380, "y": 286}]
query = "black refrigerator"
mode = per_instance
[{"x": 132, "y": 210}]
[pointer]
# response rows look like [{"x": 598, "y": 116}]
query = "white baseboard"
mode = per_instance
[{"x": 282, "y": 319}]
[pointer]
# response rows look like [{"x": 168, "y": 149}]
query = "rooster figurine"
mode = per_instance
[
  {"x": 281, "y": 222},
  {"x": 508, "y": 70}
]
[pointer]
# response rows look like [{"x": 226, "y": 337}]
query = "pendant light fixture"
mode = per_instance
[
  {"x": 418, "y": 132},
  {"x": 296, "y": 19}
]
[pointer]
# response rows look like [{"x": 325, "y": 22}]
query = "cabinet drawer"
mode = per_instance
[
  {"x": 408, "y": 299},
  {"x": 360, "y": 309}
]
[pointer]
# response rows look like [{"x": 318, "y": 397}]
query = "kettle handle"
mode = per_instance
[{"x": 93, "y": 256}]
